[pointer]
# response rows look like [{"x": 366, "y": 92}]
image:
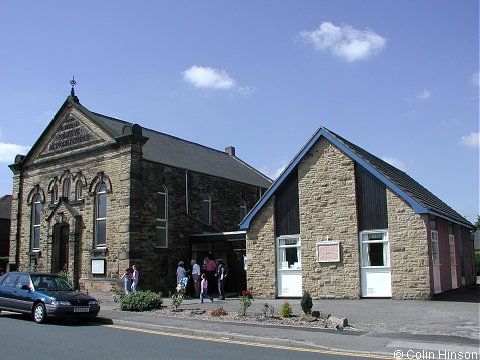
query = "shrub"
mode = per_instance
[
  {"x": 177, "y": 300},
  {"x": 477, "y": 263},
  {"x": 286, "y": 310},
  {"x": 306, "y": 303},
  {"x": 141, "y": 301}
]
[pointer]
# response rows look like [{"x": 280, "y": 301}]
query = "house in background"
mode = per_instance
[
  {"x": 341, "y": 223},
  {"x": 96, "y": 195},
  {"x": 5, "y": 212}
]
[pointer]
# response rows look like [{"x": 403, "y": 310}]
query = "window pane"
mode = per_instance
[
  {"x": 376, "y": 254},
  {"x": 102, "y": 206},
  {"x": 36, "y": 237},
  {"x": 288, "y": 242},
  {"x": 161, "y": 237},
  {"x": 161, "y": 223},
  {"x": 37, "y": 211},
  {"x": 206, "y": 211},
  {"x": 435, "y": 253},
  {"x": 161, "y": 208},
  {"x": 101, "y": 232},
  {"x": 291, "y": 255}
]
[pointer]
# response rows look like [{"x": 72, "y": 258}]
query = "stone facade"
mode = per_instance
[
  {"x": 328, "y": 210},
  {"x": 77, "y": 148}
]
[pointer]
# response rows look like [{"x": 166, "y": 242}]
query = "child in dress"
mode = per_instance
[{"x": 204, "y": 289}]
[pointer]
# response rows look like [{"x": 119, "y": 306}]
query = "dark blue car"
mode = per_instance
[{"x": 44, "y": 295}]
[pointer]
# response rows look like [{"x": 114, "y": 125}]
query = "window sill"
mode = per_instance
[{"x": 99, "y": 251}]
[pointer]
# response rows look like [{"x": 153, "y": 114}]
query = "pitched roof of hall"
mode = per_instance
[
  {"x": 418, "y": 197},
  {"x": 173, "y": 151}
]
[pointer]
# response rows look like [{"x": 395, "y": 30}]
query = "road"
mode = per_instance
[{"x": 20, "y": 338}]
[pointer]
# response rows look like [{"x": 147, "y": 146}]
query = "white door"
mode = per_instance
[
  {"x": 437, "y": 285},
  {"x": 376, "y": 277},
  {"x": 453, "y": 261},
  {"x": 289, "y": 266}
]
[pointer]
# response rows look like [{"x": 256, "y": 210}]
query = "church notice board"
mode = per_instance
[
  {"x": 98, "y": 266},
  {"x": 328, "y": 251}
]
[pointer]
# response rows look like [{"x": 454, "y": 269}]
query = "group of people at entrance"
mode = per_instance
[
  {"x": 204, "y": 278},
  {"x": 130, "y": 279}
]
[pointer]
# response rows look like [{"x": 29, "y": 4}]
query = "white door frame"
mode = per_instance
[
  {"x": 289, "y": 266},
  {"x": 453, "y": 261},
  {"x": 376, "y": 278}
]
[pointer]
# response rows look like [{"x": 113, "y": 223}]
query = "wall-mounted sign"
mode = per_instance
[
  {"x": 328, "y": 251},
  {"x": 98, "y": 266}
]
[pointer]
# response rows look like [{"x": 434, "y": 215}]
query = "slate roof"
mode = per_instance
[
  {"x": 170, "y": 150},
  {"x": 420, "y": 199},
  {"x": 5, "y": 206}
]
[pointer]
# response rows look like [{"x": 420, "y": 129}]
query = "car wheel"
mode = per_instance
[{"x": 39, "y": 313}]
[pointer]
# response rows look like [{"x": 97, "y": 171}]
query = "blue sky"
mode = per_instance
[{"x": 398, "y": 78}]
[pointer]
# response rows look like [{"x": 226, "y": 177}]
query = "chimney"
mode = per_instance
[{"x": 230, "y": 150}]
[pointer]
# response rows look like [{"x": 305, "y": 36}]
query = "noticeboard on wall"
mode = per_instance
[
  {"x": 98, "y": 266},
  {"x": 328, "y": 251}
]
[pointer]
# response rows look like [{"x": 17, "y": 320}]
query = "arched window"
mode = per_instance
[
  {"x": 36, "y": 214},
  {"x": 78, "y": 190},
  {"x": 242, "y": 204},
  {"x": 66, "y": 188},
  {"x": 161, "y": 221},
  {"x": 206, "y": 214},
  {"x": 101, "y": 215}
]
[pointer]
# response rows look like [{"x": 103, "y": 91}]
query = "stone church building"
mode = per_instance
[
  {"x": 341, "y": 223},
  {"x": 95, "y": 195}
]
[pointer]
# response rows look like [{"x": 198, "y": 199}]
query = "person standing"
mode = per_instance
[
  {"x": 181, "y": 273},
  {"x": 127, "y": 280},
  {"x": 210, "y": 268},
  {"x": 222, "y": 272},
  {"x": 135, "y": 276},
  {"x": 196, "y": 277},
  {"x": 204, "y": 291}
]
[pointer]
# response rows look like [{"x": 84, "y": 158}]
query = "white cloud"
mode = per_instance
[
  {"x": 471, "y": 140},
  {"x": 207, "y": 77},
  {"x": 424, "y": 95},
  {"x": 476, "y": 79},
  {"x": 9, "y": 151},
  {"x": 345, "y": 42},
  {"x": 276, "y": 172},
  {"x": 395, "y": 162}
]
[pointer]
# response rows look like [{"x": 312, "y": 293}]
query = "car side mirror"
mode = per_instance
[{"x": 25, "y": 287}]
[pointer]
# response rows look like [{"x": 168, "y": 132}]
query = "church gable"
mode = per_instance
[{"x": 70, "y": 132}]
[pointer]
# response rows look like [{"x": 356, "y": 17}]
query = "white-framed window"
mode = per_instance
[
  {"x": 101, "y": 215},
  {"x": 36, "y": 224},
  {"x": 289, "y": 252},
  {"x": 434, "y": 246},
  {"x": 451, "y": 243},
  {"x": 66, "y": 188},
  {"x": 78, "y": 190},
  {"x": 161, "y": 221},
  {"x": 206, "y": 212},
  {"x": 375, "y": 248}
]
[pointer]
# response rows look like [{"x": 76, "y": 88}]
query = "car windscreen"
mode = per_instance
[{"x": 50, "y": 283}]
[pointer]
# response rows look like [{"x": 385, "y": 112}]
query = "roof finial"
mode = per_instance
[{"x": 73, "y": 83}]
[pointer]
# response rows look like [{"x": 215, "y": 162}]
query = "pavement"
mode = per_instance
[{"x": 447, "y": 327}]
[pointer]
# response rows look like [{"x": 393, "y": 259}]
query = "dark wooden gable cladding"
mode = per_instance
[
  {"x": 287, "y": 214},
  {"x": 371, "y": 200}
]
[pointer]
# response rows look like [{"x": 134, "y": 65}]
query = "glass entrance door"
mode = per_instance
[
  {"x": 289, "y": 266},
  {"x": 376, "y": 278}
]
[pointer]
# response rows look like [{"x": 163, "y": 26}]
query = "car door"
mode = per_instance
[
  {"x": 22, "y": 293},
  {"x": 6, "y": 291}
]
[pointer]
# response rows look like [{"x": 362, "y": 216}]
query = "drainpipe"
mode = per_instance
[{"x": 186, "y": 191}]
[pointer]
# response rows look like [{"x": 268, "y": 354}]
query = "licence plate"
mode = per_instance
[{"x": 81, "y": 309}]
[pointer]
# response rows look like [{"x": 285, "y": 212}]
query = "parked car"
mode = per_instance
[{"x": 44, "y": 295}]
